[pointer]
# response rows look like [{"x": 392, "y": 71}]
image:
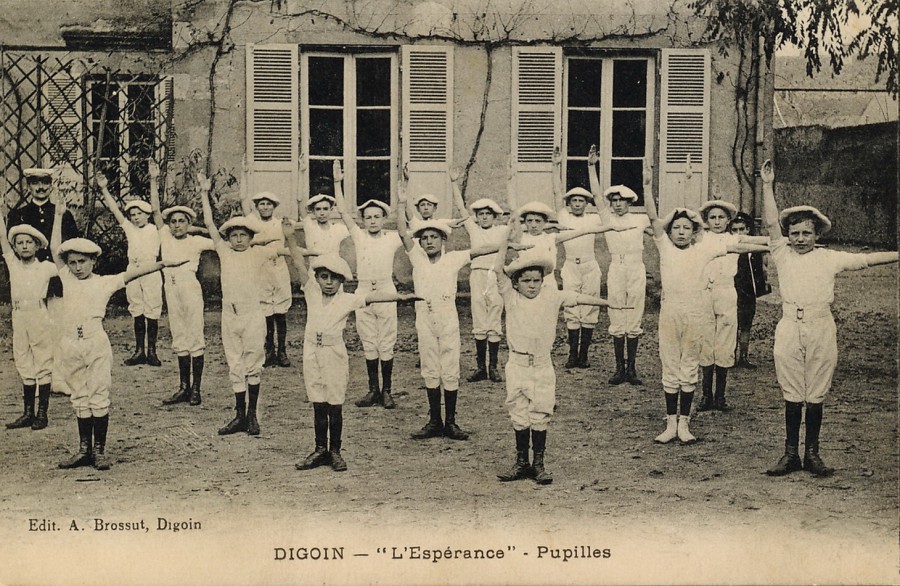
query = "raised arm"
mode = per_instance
[
  {"x": 205, "y": 184},
  {"x": 504, "y": 246},
  {"x": 56, "y": 235},
  {"x": 650, "y": 202},
  {"x": 296, "y": 254},
  {"x": 343, "y": 209},
  {"x": 556, "y": 177},
  {"x": 770, "y": 208},
  {"x": 153, "y": 173},
  {"x": 5, "y": 246},
  {"x": 246, "y": 202},
  {"x": 301, "y": 199},
  {"x": 402, "y": 221},
  {"x": 457, "y": 194},
  {"x": 599, "y": 201},
  {"x": 110, "y": 203}
]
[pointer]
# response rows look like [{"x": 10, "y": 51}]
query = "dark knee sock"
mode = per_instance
[
  {"x": 253, "y": 393},
  {"x": 793, "y": 414},
  {"x": 686, "y": 400},
  {"x": 281, "y": 330},
  {"x": 240, "y": 403},
  {"x": 387, "y": 371},
  {"x": 270, "y": 331},
  {"x": 320, "y": 424},
  {"x": 140, "y": 329},
  {"x": 335, "y": 426},
  {"x": 152, "y": 333},
  {"x": 481, "y": 354},
  {"x": 671, "y": 403},
  {"x": 813, "y": 423},
  {"x": 450, "y": 405},
  {"x": 493, "y": 354}
]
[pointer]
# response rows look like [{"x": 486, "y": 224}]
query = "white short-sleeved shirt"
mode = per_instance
[
  {"x": 28, "y": 281},
  {"x": 240, "y": 272},
  {"x": 328, "y": 318},
  {"x": 143, "y": 243},
  {"x": 482, "y": 238},
  {"x": 375, "y": 254},
  {"x": 682, "y": 269},
  {"x": 437, "y": 281},
  {"x": 583, "y": 246},
  {"x": 85, "y": 300},
  {"x": 324, "y": 240},
  {"x": 269, "y": 230},
  {"x": 807, "y": 279},
  {"x": 627, "y": 241},
  {"x": 721, "y": 270},
  {"x": 178, "y": 249},
  {"x": 531, "y": 323},
  {"x": 544, "y": 246}
]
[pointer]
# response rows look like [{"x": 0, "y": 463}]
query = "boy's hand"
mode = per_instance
[
  {"x": 101, "y": 181},
  {"x": 767, "y": 173},
  {"x": 204, "y": 182},
  {"x": 557, "y": 157},
  {"x": 336, "y": 172},
  {"x": 593, "y": 155},
  {"x": 456, "y": 223},
  {"x": 153, "y": 169},
  {"x": 519, "y": 246},
  {"x": 618, "y": 228},
  {"x": 648, "y": 173},
  {"x": 174, "y": 263},
  {"x": 454, "y": 174},
  {"x": 287, "y": 227},
  {"x": 410, "y": 297}
]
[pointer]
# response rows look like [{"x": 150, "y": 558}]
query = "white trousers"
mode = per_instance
[
  {"x": 720, "y": 334},
  {"x": 626, "y": 286},
  {"x": 439, "y": 346},
  {"x": 376, "y": 324},
  {"x": 276, "y": 288},
  {"x": 86, "y": 365},
  {"x": 243, "y": 338},
  {"x": 184, "y": 298},
  {"x": 33, "y": 341},
  {"x": 530, "y": 391},
  {"x": 680, "y": 337},
  {"x": 144, "y": 295},
  {"x": 805, "y": 357},
  {"x": 487, "y": 305},
  {"x": 583, "y": 278}
]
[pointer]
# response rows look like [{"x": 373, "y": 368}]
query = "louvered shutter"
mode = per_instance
[
  {"x": 536, "y": 115},
  {"x": 684, "y": 128},
  {"x": 62, "y": 119},
  {"x": 273, "y": 122},
  {"x": 428, "y": 121}
]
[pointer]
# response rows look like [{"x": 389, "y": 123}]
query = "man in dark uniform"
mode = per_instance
[{"x": 39, "y": 212}]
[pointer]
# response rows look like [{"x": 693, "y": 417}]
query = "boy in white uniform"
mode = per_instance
[
  {"x": 184, "y": 296},
  {"x": 319, "y": 233},
  {"x": 145, "y": 294},
  {"x": 626, "y": 280},
  {"x": 487, "y": 305},
  {"x": 681, "y": 318},
  {"x": 243, "y": 317},
  {"x": 32, "y": 329},
  {"x": 325, "y": 362},
  {"x": 805, "y": 338},
  {"x": 581, "y": 271},
  {"x": 532, "y": 311},
  {"x": 85, "y": 353},
  {"x": 720, "y": 337},
  {"x": 375, "y": 324},
  {"x": 276, "y": 279}
]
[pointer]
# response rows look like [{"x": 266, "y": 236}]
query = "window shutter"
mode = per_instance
[
  {"x": 273, "y": 122},
  {"x": 536, "y": 115},
  {"x": 62, "y": 120},
  {"x": 428, "y": 121},
  {"x": 684, "y": 129}
]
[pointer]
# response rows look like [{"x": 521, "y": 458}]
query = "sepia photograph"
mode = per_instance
[{"x": 447, "y": 292}]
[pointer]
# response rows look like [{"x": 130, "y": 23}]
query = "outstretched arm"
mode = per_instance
[
  {"x": 881, "y": 258},
  {"x": 556, "y": 177},
  {"x": 287, "y": 227},
  {"x": 342, "y": 206},
  {"x": 650, "y": 202},
  {"x": 457, "y": 194},
  {"x": 103, "y": 183},
  {"x": 205, "y": 185},
  {"x": 388, "y": 297},
  {"x": 770, "y": 208},
  {"x": 742, "y": 247},
  {"x": 153, "y": 173},
  {"x": 136, "y": 273}
]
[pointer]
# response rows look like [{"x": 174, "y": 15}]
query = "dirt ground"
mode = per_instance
[{"x": 668, "y": 514}]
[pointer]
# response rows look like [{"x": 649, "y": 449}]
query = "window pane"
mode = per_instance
[
  {"x": 629, "y": 84},
  {"x": 577, "y": 175},
  {"x": 141, "y": 140},
  {"x": 629, "y": 133},
  {"x": 110, "y": 147},
  {"x": 320, "y": 177},
  {"x": 326, "y": 81},
  {"x": 629, "y": 173},
  {"x": 326, "y": 132},
  {"x": 110, "y": 92},
  {"x": 373, "y": 133},
  {"x": 140, "y": 102},
  {"x": 137, "y": 174},
  {"x": 583, "y": 131},
  {"x": 584, "y": 83},
  {"x": 373, "y": 181},
  {"x": 373, "y": 81}
]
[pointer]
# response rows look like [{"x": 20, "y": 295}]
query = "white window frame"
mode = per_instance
[
  {"x": 349, "y": 157},
  {"x": 604, "y": 143}
]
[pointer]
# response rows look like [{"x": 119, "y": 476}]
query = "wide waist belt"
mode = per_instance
[
  {"x": 29, "y": 304},
  {"x": 581, "y": 259},
  {"x": 83, "y": 331},
  {"x": 794, "y": 312},
  {"x": 241, "y": 307},
  {"x": 319, "y": 340},
  {"x": 627, "y": 258},
  {"x": 526, "y": 359}
]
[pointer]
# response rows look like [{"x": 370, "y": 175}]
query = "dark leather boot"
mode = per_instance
[
  {"x": 451, "y": 430},
  {"x": 480, "y": 373},
  {"x": 522, "y": 468},
  {"x": 619, "y": 376},
  {"x": 572, "y": 362},
  {"x": 27, "y": 417},
  {"x": 813, "y": 463},
  {"x": 631, "y": 376},
  {"x": 387, "y": 375},
  {"x": 719, "y": 403},
  {"x": 84, "y": 456},
  {"x": 789, "y": 462},
  {"x": 494, "y": 362},
  {"x": 335, "y": 430},
  {"x": 183, "y": 394},
  {"x": 101, "y": 460},
  {"x": 40, "y": 420},
  {"x": 706, "y": 400},
  {"x": 811, "y": 460},
  {"x": 152, "y": 334},
  {"x": 584, "y": 344},
  {"x": 140, "y": 329},
  {"x": 373, "y": 397},
  {"x": 281, "y": 358},
  {"x": 320, "y": 456},
  {"x": 539, "y": 443},
  {"x": 270, "y": 342},
  {"x": 271, "y": 357},
  {"x": 239, "y": 423},
  {"x": 197, "y": 363},
  {"x": 435, "y": 426}
]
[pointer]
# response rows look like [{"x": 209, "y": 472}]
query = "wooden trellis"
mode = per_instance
[{"x": 76, "y": 115}]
